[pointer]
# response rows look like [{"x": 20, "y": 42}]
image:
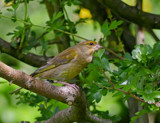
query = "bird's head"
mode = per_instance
[{"x": 90, "y": 46}]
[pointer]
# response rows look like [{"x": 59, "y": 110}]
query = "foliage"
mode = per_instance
[
  {"x": 45, "y": 106},
  {"x": 136, "y": 76}
]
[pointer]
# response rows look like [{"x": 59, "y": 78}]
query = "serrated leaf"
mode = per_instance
[
  {"x": 97, "y": 96},
  {"x": 115, "y": 24},
  {"x": 105, "y": 29},
  {"x": 56, "y": 16},
  {"x": 99, "y": 53},
  {"x": 104, "y": 92},
  {"x": 16, "y": 5},
  {"x": 128, "y": 56},
  {"x": 97, "y": 62},
  {"x": 105, "y": 63}
]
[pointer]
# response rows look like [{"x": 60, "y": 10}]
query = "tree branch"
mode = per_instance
[
  {"x": 78, "y": 111},
  {"x": 132, "y": 14},
  {"x": 153, "y": 35},
  {"x": 60, "y": 93},
  {"x": 28, "y": 58}
]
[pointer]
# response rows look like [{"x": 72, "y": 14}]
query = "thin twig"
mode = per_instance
[
  {"x": 43, "y": 34},
  {"x": 153, "y": 35},
  {"x": 62, "y": 32},
  {"x": 108, "y": 79},
  {"x": 46, "y": 27},
  {"x": 114, "y": 53},
  {"x": 125, "y": 92}
]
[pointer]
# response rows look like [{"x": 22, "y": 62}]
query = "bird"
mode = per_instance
[{"x": 67, "y": 64}]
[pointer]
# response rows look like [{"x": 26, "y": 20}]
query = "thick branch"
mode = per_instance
[
  {"x": 60, "y": 93},
  {"x": 28, "y": 58},
  {"x": 78, "y": 111},
  {"x": 64, "y": 115},
  {"x": 94, "y": 119},
  {"x": 132, "y": 14}
]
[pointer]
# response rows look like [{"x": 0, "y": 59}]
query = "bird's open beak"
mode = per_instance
[{"x": 98, "y": 47}]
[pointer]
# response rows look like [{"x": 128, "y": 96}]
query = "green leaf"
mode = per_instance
[
  {"x": 97, "y": 62},
  {"x": 105, "y": 29},
  {"x": 94, "y": 73},
  {"x": 97, "y": 96},
  {"x": 45, "y": 112},
  {"x": 16, "y": 5},
  {"x": 77, "y": 2},
  {"x": 13, "y": 18},
  {"x": 128, "y": 56},
  {"x": 115, "y": 24},
  {"x": 119, "y": 32},
  {"x": 105, "y": 63},
  {"x": 99, "y": 53},
  {"x": 156, "y": 50},
  {"x": 56, "y": 16},
  {"x": 138, "y": 114},
  {"x": 44, "y": 45},
  {"x": 10, "y": 10}
]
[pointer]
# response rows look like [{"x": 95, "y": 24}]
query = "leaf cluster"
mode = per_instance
[
  {"x": 44, "y": 105},
  {"x": 138, "y": 74}
]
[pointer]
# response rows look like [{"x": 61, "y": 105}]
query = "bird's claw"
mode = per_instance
[{"x": 76, "y": 87}]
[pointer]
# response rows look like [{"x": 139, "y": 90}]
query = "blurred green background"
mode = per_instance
[{"x": 9, "y": 111}]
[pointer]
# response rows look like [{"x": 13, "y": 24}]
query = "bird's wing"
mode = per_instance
[{"x": 63, "y": 58}]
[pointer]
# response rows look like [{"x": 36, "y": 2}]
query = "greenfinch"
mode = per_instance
[{"x": 68, "y": 63}]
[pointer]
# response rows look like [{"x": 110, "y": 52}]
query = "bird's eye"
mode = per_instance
[{"x": 91, "y": 43}]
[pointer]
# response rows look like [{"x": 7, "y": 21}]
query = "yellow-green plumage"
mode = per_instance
[{"x": 68, "y": 63}]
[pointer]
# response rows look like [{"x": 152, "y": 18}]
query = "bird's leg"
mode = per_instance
[{"x": 71, "y": 85}]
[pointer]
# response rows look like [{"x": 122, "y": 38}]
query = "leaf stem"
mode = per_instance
[
  {"x": 24, "y": 29},
  {"x": 114, "y": 53},
  {"x": 69, "y": 33},
  {"x": 125, "y": 92},
  {"x": 69, "y": 25},
  {"x": 46, "y": 27}
]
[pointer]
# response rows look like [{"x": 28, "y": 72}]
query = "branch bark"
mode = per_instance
[
  {"x": 132, "y": 14},
  {"x": 78, "y": 111},
  {"x": 28, "y": 58}
]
